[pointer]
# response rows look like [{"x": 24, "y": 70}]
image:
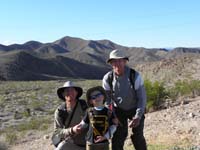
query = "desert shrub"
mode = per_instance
[
  {"x": 188, "y": 147},
  {"x": 26, "y": 112},
  {"x": 37, "y": 105},
  {"x": 2, "y": 100},
  {"x": 182, "y": 88},
  {"x": 157, "y": 147},
  {"x": 195, "y": 87},
  {"x": 11, "y": 137},
  {"x": 41, "y": 123},
  {"x": 156, "y": 93},
  {"x": 185, "y": 88}
]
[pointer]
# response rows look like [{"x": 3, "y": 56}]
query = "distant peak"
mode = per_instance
[{"x": 32, "y": 42}]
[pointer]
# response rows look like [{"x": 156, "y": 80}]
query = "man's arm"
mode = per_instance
[
  {"x": 141, "y": 101},
  {"x": 107, "y": 88},
  {"x": 60, "y": 132},
  {"x": 60, "y": 128},
  {"x": 141, "y": 96}
]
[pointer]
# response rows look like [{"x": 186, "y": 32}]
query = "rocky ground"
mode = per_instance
[
  {"x": 175, "y": 126},
  {"x": 178, "y": 125}
]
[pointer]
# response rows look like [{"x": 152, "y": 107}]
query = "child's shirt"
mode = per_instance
[{"x": 100, "y": 123}]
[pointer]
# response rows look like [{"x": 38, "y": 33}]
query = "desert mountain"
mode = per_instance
[
  {"x": 24, "y": 66},
  {"x": 75, "y": 58}
]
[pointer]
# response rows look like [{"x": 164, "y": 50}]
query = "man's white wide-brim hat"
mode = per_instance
[
  {"x": 69, "y": 84},
  {"x": 117, "y": 54}
]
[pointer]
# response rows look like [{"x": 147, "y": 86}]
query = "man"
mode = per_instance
[
  {"x": 67, "y": 134},
  {"x": 129, "y": 99}
]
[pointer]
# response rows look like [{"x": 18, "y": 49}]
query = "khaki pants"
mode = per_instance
[
  {"x": 67, "y": 145},
  {"x": 98, "y": 146}
]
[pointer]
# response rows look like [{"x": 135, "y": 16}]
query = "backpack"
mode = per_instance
[{"x": 131, "y": 78}]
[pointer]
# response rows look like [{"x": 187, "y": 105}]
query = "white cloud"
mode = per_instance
[{"x": 7, "y": 42}]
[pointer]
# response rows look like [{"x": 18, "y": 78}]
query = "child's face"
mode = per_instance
[{"x": 96, "y": 98}]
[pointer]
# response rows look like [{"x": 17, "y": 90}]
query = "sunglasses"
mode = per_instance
[{"x": 93, "y": 97}]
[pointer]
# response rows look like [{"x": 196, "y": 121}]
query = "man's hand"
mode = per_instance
[{"x": 134, "y": 122}]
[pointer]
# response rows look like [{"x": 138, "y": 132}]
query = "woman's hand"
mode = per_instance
[{"x": 77, "y": 128}]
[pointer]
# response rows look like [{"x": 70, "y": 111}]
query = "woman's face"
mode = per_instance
[{"x": 70, "y": 94}]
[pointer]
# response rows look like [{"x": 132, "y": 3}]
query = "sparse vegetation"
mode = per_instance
[
  {"x": 35, "y": 124},
  {"x": 35, "y": 103},
  {"x": 157, "y": 92},
  {"x": 11, "y": 137},
  {"x": 165, "y": 147},
  {"x": 185, "y": 88}
]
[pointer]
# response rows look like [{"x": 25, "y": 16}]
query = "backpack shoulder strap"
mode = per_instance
[
  {"x": 132, "y": 77},
  {"x": 83, "y": 104},
  {"x": 90, "y": 112},
  {"x": 62, "y": 112},
  {"x": 110, "y": 80}
]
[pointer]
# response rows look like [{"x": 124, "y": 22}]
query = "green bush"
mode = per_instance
[
  {"x": 156, "y": 93},
  {"x": 185, "y": 88},
  {"x": 182, "y": 88},
  {"x": 195, "y": 87}
]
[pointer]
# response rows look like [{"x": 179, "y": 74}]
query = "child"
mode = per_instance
[{"x": 102, "y": 122}]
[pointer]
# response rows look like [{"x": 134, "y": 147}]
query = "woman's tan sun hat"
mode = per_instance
[
  {"x": 69, "y": 84},
  {"x": 117, "y": 54}
]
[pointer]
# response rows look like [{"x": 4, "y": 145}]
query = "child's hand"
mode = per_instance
[
  {"x": 115, "y": 121},
  {"x": 99, "y": 139},
  {"x": 77, "y": 129}
]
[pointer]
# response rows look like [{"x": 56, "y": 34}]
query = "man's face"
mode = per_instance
[
  {"x": 70, "y": 94},
  {"x": 118, "y": 65}
]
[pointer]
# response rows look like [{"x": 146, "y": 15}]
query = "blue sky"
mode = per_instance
[{"x": 134, "y": 23}]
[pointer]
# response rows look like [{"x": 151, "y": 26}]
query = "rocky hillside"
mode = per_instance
[
  {"x": 176, "y": 125},
  {"x": 170, "y": 70}
]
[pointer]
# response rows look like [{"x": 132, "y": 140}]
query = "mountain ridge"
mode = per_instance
[{"x": 66, "y": 56}]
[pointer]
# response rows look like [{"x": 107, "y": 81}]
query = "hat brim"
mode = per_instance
[
  {"x": 97, "y": 88},
  {"x": 110, "y": 59},
  {"x": 61, "y": 90}
]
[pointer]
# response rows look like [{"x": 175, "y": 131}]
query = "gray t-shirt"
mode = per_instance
[
  {"x": 123, "y": 91},
  {"x": 124, "y": 94}
]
